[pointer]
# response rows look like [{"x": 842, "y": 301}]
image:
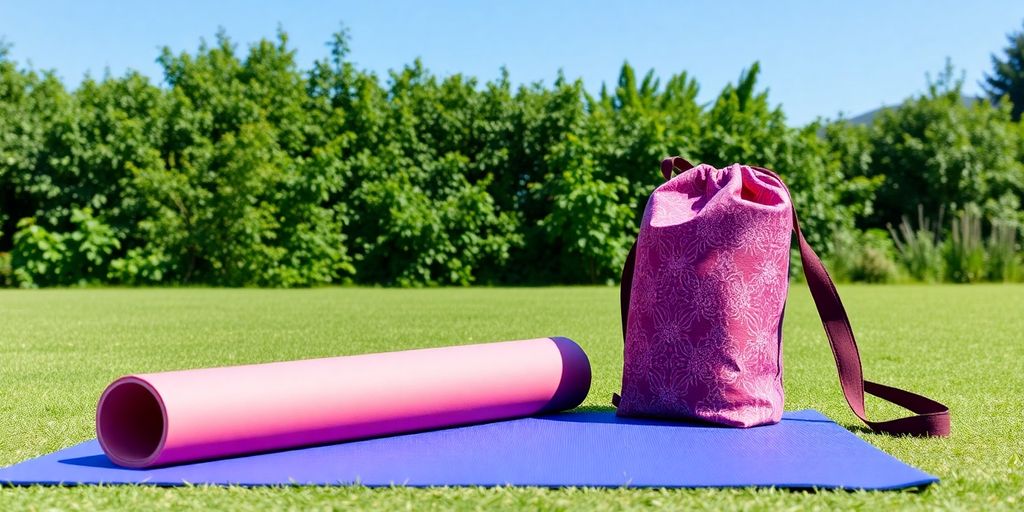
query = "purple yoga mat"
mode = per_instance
[{"x": 595, "y": 448}]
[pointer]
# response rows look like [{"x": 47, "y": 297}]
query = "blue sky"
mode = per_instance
[{"x": 818, "y": 58}]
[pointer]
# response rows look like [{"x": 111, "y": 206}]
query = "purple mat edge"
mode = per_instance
[{"x": 799, "y": 415}]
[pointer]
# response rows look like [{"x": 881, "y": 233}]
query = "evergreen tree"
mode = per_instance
[{"x": 1007, "y": 78}]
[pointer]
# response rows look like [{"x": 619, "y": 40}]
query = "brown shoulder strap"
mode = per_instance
[
  {"x": 626, "y": 286},
  {"x": 931, "y": 418}
]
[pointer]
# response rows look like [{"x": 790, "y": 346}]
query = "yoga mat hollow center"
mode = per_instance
[{"x": 590, "y": 448}]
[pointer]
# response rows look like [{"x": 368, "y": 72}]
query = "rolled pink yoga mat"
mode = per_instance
[{"x": 164, "y": 418}]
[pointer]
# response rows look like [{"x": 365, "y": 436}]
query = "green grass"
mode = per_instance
[{"x": 960, "y": 344}]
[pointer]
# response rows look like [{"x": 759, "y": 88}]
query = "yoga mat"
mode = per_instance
[
  {"x": 570, "y": 449},
  {"x": 166, "y": 418}
]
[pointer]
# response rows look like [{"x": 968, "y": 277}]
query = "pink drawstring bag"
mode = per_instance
[{"x": 703, "y": 294}]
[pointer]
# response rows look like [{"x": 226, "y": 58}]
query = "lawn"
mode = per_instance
[{"x": 962, "y": 345}]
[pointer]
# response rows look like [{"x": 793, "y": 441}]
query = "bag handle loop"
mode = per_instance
[
  {"x": 672, "y": 163},
  {"x": 931, "y": 418}
]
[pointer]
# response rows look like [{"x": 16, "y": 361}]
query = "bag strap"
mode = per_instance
[{"x": 931, "y": 418}]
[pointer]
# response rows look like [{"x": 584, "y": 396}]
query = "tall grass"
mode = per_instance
[
  {"x": 965, "y": 251},
  {"x": 966, "y": 255},
  {"x": 1004, "y": 259},
  {"x": 920, "y": 249}
]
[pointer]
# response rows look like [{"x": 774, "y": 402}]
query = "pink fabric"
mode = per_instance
[{"x": 703, "y": 336}]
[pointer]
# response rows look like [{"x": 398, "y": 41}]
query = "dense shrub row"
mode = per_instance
[{"x": 246, "y": 170}]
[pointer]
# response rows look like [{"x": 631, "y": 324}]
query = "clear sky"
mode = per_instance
[{"x": 818, "y": 58}]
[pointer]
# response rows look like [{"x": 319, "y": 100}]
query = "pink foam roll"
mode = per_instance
[{"x": 165, "y": 418}]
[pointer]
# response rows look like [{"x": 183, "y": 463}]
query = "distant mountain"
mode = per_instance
[{"x": 869, "y": 117}]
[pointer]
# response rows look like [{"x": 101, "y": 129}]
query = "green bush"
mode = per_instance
[
  {"x": 39, "y": 256},
  {"x": 245, "y": 170},
  {"x": 42, "y": 257},
  {"x": 864, "y": 256},
  {"x": 590, "y": 225},
  {"x": 138, "y": 267},
  {"x": 6, "y": 272}
]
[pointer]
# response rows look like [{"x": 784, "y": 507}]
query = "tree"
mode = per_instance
[{"x": 1007, "y": 78}]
